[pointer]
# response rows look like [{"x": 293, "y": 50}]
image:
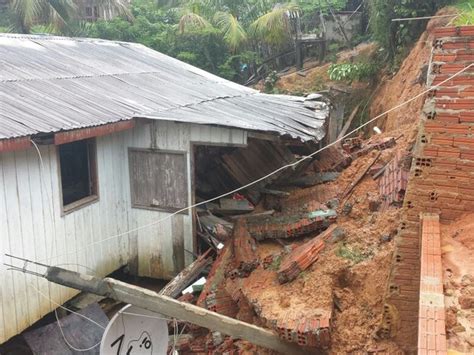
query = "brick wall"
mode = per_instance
[
  {"x": 431, "y": 315},
  {"x": 441, "y": 179}
]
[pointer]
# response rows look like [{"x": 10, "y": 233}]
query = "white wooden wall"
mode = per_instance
[{"x": 31, "y": 225}]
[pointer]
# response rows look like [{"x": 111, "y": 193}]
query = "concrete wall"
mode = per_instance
[
  {"x": 32, "y": 225},
  {"x": 351, "y": 26}
]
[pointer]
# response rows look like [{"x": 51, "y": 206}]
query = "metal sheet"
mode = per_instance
[{"x": 51, "y": 84}]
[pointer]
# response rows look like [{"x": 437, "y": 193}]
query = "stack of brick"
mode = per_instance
[
  {"x": 216, "y": 275},
  {"x": 221, "y": 302},
  {"x": 245, "y": 258},
  {"x": 284, "y": 227},
  {"x": 314, "y": 332},
  {"x": 302, "y": 257},
  {"x": 441, "y": 179},
  {"x": 431, "y": 318},
  {"x": 394, "y": 181},
  {"x": 299, "y": 260}
]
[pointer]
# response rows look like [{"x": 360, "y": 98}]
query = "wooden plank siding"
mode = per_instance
[{"x": 32, "y": 225}]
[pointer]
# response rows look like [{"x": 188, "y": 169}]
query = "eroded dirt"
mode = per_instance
[{"x": 458, "y": 262}]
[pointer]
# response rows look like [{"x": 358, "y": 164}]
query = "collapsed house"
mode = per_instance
[
  {"x": 104, "y": 144},
  {"x": 342, "y": 253}
]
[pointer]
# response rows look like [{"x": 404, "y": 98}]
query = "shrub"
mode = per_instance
[
  {"x": 351, "y": 253},
  {"x": 352, "y": 71}
]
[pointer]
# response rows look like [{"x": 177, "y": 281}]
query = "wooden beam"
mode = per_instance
[
  {"x": 152, "y": 301},
  {"x": 188, "y": 275},
  {"x": 361, "y": 176},
  {"x": 89, "y": 132},
  {"x": 9, "y": 145},
  {"x": 348, "y": 123}
]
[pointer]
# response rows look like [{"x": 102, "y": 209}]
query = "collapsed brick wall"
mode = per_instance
[{"x": 441, "y": 179}]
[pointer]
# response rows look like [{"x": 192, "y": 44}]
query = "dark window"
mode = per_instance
[
  {"x": 96, "y": 12},
  {"x": 78, "y": 172},
  {"x": 88, "y": 11},
  {"x": 158, "y": 179}
]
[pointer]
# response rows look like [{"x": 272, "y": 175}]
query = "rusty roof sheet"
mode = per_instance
[{"x": 49, "y": 84}]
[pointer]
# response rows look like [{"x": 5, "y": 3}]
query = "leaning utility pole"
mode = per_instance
[{"x": 152, "y": 301}]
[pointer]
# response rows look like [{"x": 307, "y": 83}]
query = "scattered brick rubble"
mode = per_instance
[
  {"x": 283, "y": 227},
  {"x": 441, "y": 176},
  {"x": 302, "y": 257},
  {"x": 393, "y": 183}
]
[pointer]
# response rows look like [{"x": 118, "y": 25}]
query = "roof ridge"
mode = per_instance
[
  {"x": 49, "y": 37},
  {"x": 76, "y": 77}
]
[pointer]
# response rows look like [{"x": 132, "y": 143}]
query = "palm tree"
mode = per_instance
[
  {"x": 27, "y": 13},
  {"x": 54, "y": 14},
  {"x": 233, "y": 32},
  {"x": 274, "y": 27},
  {"x": 270, "y": 22}
]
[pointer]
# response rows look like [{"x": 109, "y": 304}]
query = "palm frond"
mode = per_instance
[
  {"x": 57, "y": 13},
  {"x": 274, "y": 27},
  {"x": 27, "y": 11},
  {"x": 191, "y": 21},
  {"x": 121, "y": 6},
  {"x": 233, "y": 32}
]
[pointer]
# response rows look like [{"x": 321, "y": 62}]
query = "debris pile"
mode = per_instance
[
  {"x": 296, "y": 227},
  {"x": 313, "y": 261}
]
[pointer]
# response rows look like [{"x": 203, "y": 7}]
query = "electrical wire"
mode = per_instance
[
  {"x": 228, "y": 194},
  {"x": 290, "y": 165},
  {"x": 422, "y": 18},
  {"x": 53, "y": 223}
]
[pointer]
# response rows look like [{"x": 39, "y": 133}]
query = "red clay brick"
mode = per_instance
[{"x": 463, "y": 31}]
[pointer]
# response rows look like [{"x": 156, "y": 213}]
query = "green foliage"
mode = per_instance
[
  {"x": 355, "y": 255},
  {"x": 395, "y": 36},
  {"x": 232, "y": 30},
  {"x": 352, "y": 71},
  {"x": 275, "y": 265},
  {"x": 309, "y": 6},
  {"x": 270, "y": 82},
  {"x": 274, "y": 27},
  {"x": 235, "y": 67},
  {"x": 55, "y": 16},
  {"x": 466, "y": 16}
]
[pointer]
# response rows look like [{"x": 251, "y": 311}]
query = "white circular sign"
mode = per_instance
[{"x": 135, "y": 331}]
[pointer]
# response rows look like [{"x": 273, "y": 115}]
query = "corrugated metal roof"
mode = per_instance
[{"x": 49, "y": 84}]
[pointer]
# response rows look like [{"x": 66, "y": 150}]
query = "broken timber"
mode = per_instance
[
  {"x": 189, "y": 274},
  {"x": 348, "y": 123},
  {"x": 361, "y": 176},
  {"x": 152, "y": 301}
]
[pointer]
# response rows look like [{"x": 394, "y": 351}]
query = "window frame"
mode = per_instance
[
  {"x": 89, "y": 12},
  {"x": 182, "y": 153},
  {"x": 93, "y": 172}
]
